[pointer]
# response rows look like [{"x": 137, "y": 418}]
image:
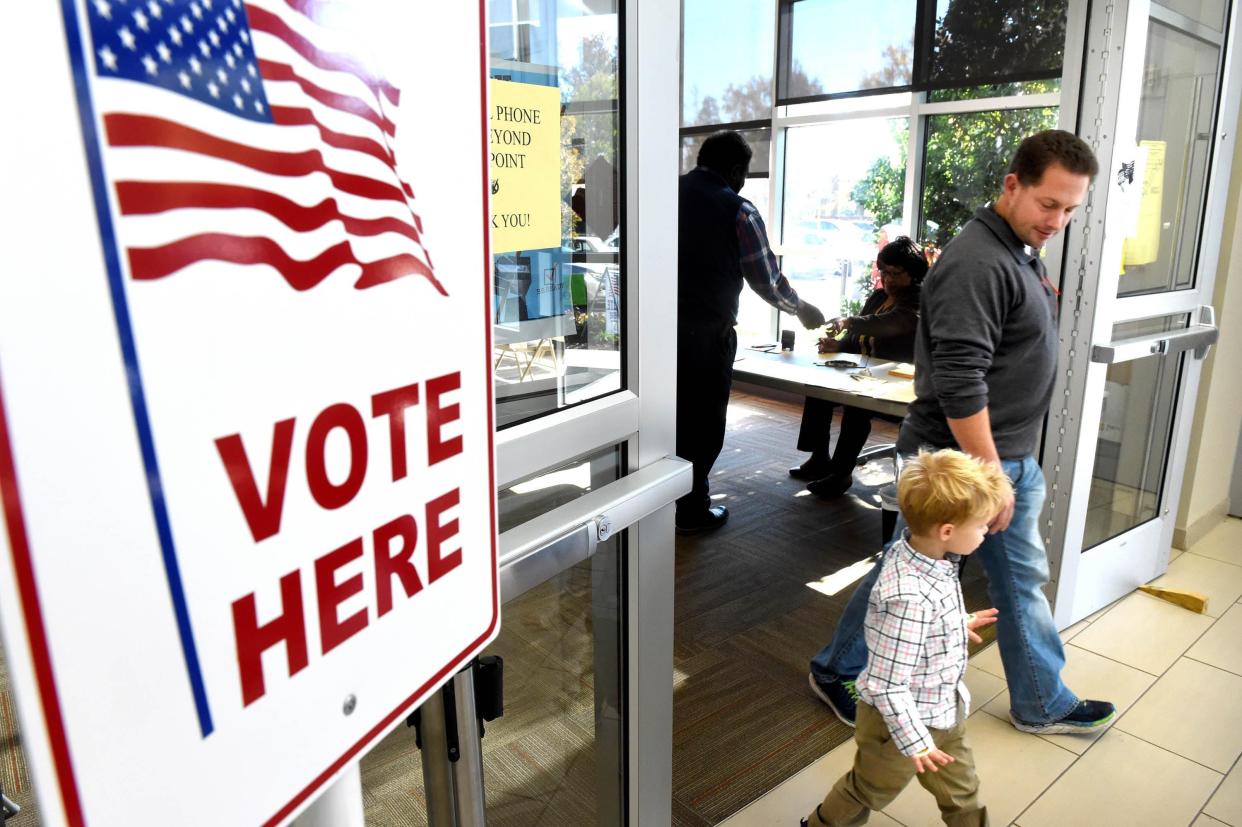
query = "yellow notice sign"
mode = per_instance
[
  {"x": 525, "y": 137},
  {"x": 1144, "y": 246}
]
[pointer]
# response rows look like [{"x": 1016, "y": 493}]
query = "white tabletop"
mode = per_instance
[{"x": 802, "y": 371}]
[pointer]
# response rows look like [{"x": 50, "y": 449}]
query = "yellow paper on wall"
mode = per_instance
[
  {"x": 1143, "y": 247},
  {"x": 525, "y": 145}
]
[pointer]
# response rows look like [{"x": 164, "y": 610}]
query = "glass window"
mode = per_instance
[
  {"x": 556, "y": 234},
  {"x": 967, "y": 156},
  {"x": 726, "y": 61},
  {"x": 1136, "y": 427},
  {"x": 1174, "y": 132},
  {"x": 835, "y": 46},
  {"x": 996, "y": 90},
  {"x": 516, "y": 33},
  {"x": 844, "y": 183},
  {"x": 994, "y": 41},
  {"x": 526, "y": 499},
  {"x": 558, "y": 754}
]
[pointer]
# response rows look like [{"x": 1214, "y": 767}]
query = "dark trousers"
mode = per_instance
[
  {"x": 816, "y": 432},
  {"x": 705, "y": 356}
]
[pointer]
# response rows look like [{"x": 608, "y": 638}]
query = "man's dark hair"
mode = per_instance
[
  {"x": 724, "y": 150},
  {"x": 1052, "y": 146},
  {"x": 907, "y": 255}
]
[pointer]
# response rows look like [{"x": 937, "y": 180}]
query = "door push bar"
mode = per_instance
[
  {"x": 540, "y": 548},
  {"x": 1198, "y": 337}
]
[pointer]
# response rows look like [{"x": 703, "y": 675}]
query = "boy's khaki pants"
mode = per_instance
[{"x": 881, "y": 772}]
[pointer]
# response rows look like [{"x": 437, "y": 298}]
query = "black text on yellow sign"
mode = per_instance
[{"x": 524, "y": 135}]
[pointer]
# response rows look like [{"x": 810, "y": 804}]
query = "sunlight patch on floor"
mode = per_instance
[{"x": 834, "y": 583}]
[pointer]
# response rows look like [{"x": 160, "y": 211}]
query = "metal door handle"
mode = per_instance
[
  {"x": 548, "y": 544},
  {"x": 1198, "y": 337}
]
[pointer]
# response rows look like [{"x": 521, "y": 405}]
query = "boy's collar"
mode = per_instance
[{"x": 943, "y": 568}]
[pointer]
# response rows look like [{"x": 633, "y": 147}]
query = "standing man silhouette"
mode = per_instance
[{"x": 722, "y": 243}]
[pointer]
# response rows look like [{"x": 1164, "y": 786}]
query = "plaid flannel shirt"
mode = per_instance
[
  {"x": 916, "y": 637},
  {"x": 759, "y": 265}
]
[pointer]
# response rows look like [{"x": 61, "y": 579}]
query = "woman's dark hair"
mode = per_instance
[
  {"x": 905, "y": 254},
  {"x": 723, "y": 151}
]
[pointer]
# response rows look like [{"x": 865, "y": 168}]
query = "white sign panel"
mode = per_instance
[{"x": 245, "y": 393}]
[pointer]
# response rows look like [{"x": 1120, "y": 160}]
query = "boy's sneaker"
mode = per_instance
[
  {"x": 841, "y": 697},
  {"x": 1088, "y": 716}
]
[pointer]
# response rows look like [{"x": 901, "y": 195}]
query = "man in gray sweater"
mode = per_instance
[{"x": 985, "y": 363}]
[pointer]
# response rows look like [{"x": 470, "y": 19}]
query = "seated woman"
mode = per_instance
[{"x": 884, "y": 329}]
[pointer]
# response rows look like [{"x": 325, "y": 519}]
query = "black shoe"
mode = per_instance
[
  {"x": 813, "y": 469},
  {"x": 710, "y": 519},
  {"x": 841, "y": 697},
  {"x": 1088, "y": 716},
  {"x": 831, "y": 486}
]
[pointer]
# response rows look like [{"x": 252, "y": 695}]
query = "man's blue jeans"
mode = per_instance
[{"x": 1017, "y": 568}]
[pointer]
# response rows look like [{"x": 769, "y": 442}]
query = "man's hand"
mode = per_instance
[
  {"x": 1001, "y": 521},
  {"x": 828, "y": 345},
  {"x": 932, "y": 760},
  {"x": 810, "y": 316},
  {"x": 974, "y": 436},
  {"x": 977, "y": 620}
]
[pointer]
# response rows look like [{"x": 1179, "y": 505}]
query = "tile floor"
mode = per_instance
[{"x": 1170, "y": 759}]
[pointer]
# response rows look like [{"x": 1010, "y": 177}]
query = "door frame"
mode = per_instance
[
  {"x": 643, "y": 415},
  {"x": 1101, "y": 98}
]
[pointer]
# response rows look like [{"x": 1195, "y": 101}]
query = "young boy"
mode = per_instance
[{"x": 912, "y": 700}]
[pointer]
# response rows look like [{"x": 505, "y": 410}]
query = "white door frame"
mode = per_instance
[
  {"x": 643, "y": 416},
  {"x": 1106, "y": 94}
]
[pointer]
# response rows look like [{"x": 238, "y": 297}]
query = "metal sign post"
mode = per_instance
[{"x": 449, "y": 728}]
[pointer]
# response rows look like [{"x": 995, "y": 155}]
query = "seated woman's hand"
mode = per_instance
[{"x": 829, "y": 345}]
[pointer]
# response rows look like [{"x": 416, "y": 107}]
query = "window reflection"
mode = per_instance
[
  {"x": 1174, "y": 134},
  {"x": 556, "y": 236},
  {"x": 844, "y": 184}
]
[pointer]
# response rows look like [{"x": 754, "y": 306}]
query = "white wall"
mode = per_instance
[{"x": 1218, "y": 411}]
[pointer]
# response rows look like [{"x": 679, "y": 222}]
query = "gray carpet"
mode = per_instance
[{"x": 14, "y": 774}]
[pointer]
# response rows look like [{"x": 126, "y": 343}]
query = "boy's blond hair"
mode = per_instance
[{"x": 949, "y": 487}]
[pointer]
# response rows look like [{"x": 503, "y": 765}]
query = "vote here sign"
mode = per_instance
[{"x": 245, "y": 399}]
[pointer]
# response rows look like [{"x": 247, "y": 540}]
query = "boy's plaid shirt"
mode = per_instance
[{"x": 916, "y": 638}]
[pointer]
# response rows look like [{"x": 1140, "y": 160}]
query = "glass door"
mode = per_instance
[
  {"x": 583, "y": 230},
  {"x": 1158, "y": 102}
]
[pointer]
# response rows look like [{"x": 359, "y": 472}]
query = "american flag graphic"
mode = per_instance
[{"x": 251, "y": 133}]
